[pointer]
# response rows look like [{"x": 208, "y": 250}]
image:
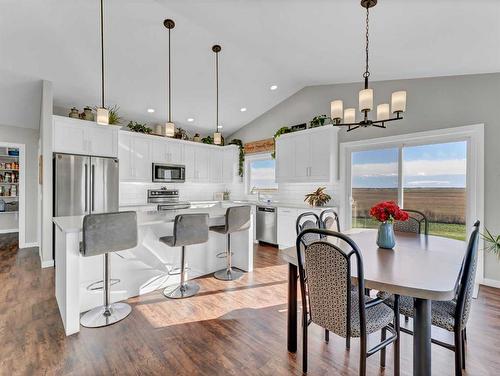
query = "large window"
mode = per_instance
[
  {"x": 262, "y": 174},
  {"x": 429, "y": 178}
]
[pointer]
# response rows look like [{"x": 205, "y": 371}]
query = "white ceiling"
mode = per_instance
[{"x": 291, "y": 43}]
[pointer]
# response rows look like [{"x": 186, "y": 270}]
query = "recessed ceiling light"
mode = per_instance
[
  {"x": 273, "y": 87},
  {"x": 243, "y": 109},
  {"x": 151, "y": 110},
  {"x": 190, "y": 120}
]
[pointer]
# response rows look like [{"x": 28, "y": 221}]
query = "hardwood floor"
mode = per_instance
[{"x": 230, "y": 328}]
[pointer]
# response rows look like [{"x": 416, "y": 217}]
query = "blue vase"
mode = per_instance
[{"x": 385, "y": 238}]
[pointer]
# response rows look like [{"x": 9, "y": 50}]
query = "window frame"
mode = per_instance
[
  {"x": 473, "y": 134},
  {"x": 252, "y": 158}
]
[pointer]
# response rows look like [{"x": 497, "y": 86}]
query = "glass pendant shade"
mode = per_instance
[
  {"x": 349, "y": 115},
  {"x": 337, "y": 109},
  {"x": 366, "y": 100},
  {"x": 102, "y": 116},
  {"x": 383, "y": 111},
  {"x": 398, "y": 101},
  {"x": 169, "y": 130},
  {"x": 217, "y": 138}
]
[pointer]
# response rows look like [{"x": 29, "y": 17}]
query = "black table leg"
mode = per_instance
[
  {"x": 292, "y": 308},
  {"x": 422, "y": 338}
]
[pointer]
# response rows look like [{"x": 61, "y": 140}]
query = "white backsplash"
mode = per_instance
[{"x": 136, "y": 193}]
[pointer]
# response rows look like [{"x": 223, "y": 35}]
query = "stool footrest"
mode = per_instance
[
  {"x": 177, "y": 271},
  {"x": 223, "y": 254},
  {"x": 99, "y": 285}
]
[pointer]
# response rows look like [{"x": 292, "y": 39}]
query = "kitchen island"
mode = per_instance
[{"x": 139, "y": 270}]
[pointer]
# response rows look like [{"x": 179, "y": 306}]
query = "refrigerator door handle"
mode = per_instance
[
  {"x": 92, "y": 177},
  {"x": 86, "y": 188}
]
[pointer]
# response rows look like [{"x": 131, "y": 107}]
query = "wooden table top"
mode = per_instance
[{"x": 420, "y": 266}]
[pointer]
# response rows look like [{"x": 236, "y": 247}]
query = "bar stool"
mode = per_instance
[
  {"x": 102, "y": 234},
  {"x": 237, "y": 219},
  {"x": 189, "y": 229}
]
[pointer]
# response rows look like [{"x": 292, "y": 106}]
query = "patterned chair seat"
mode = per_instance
[
  {"x": 442, "y": 311},
  {"x": 377, "y": 316}
]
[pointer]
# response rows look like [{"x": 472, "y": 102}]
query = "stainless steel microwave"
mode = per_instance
[{"x": 168, "y": 173}]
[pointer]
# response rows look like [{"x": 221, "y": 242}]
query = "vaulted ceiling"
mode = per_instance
[{"x": 289, "y": 43}]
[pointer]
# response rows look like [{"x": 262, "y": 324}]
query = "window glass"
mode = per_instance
[{"x": 262, "y": 175}]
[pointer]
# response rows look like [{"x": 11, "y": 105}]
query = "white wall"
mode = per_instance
[{"x": 433, "y": 103}]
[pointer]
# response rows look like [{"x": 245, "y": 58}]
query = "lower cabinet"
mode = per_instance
[{"x": 287, "y": 220}]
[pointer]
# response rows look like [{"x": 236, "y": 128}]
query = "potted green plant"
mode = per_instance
[
  {"x": 491, "y": 242},
  {"x": 138, "y": 127},
  {"x": 279, "y": 132},
  {"x": 317, "y": 121},
  {"x": 318, "y": 198},
  {"x": 239, "y": 143}
]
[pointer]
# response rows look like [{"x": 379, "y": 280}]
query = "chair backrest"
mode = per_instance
[
  {"x": 190, "y": 229},
  {"x": 417, "y": 223},
  {"x": 237, "y": 218},
  {"x": 325, "y": 273},
  {"x": 109, "y": 232},
  {"x": 305, "y": 221},
  {"x": 467, "y": 278},
  {"x": 328, "y": 219}
]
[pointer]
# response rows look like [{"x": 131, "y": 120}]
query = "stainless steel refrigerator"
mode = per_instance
[{"x": 84, "y": 185}]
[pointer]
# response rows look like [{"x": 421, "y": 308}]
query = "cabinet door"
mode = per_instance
[
  {"x": 320, "y": 164},
  {"x": 189, "y": 162},
  {"x": 125, "y": 157},
  {"x": 216, "y": 165},
  {"x": 174, "y": 152},
  {"x": 142, "y": 159},
  {"x": 159, "y": 153},
  {"x": 286, "y": 229},
  {"x": 102, "y": 141},
  {"x": 302, "y": 152},
  {"x": 202, "y": 164},
  {"x": 229, "y": 165},
  {"x": 285, "y": 160},
  {"x": 69, "y": 138}
]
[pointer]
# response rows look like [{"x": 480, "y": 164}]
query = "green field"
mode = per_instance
[{"x": 447, "y": 230}]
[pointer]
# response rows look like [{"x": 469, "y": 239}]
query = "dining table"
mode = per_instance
[{"x": 424, "y": 267}]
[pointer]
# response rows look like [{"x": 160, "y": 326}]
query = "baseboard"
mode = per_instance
[
  {"x": 491, "y": 282},
  {"x": 29, "y": 245},
  {"x": 9, "y": 231},
  {"x": 47, "y": 264}
]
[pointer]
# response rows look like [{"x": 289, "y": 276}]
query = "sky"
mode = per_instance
[
  {"x": 262, "y": 174},
  {"x": 425, "y": 166}
]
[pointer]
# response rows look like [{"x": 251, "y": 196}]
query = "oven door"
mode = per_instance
[{"x": 168, "y": 173}]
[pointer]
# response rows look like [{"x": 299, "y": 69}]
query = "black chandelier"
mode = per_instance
[{"x": 347, "y": 117}]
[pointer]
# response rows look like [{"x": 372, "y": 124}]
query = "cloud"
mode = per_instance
[
  {"x": 262, "y": 174},
  {"x": 420, "y": 168}
]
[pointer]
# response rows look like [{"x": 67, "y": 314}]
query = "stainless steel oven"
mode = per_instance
[{"x": 168, "y": 173}]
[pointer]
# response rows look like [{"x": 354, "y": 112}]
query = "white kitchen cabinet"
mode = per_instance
[
  {"x": 166, "y": 151},
  {"x": 307, "y": 156},
  {"x": 134, "y": 153},
  {"x": 197, "y": 162},
  {"x": 230, "y": 158},
  {"x": 75, "y": 136},
  {"x": 216, "y": 165}
]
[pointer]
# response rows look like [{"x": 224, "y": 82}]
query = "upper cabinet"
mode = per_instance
[
  {"x": 75, "y": 136},
  {"x": 204, "y": 163},
  {"x": 307, "y": 156}
]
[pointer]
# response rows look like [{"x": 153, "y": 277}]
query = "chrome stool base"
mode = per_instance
[
  {"x": 100, "y": 316},
  {"x": 230, "y": 274},
  {"x": 186, "y": 290}
]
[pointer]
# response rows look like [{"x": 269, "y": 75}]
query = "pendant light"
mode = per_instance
[
  {"x": 347, "y": 117},
  {"x": 102, "y": 112},
  {"x": 169, "y": 128},
  {"x": 217, "y": 135}
]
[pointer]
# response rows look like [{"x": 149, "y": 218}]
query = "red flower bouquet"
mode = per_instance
[{"x": 388, "y": 211}]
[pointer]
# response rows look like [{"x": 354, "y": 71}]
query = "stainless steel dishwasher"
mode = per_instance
[{"x": 267, "y": 224}]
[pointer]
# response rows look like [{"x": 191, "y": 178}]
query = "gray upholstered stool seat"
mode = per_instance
[
  {"x": 237, "y": 219},
  {"x": 102, "y": 234},
  {"x": 189, "y": 229}
]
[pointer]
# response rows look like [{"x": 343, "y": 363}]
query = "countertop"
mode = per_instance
[
  {"x": 145, "y": 218},
  {"x": 212, "y": 203}
]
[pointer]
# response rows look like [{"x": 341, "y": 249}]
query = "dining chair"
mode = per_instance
[
  {"x": 415, "y": 222},
  {"x": 328, "y": 219},
  {"x": 451, "y": 315},
  {"x": 307, "y": 220},
  {"x": 329, "y": 300}
]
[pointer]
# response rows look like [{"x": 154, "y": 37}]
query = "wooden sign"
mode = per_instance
[{"x": 261, "y": 146}]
